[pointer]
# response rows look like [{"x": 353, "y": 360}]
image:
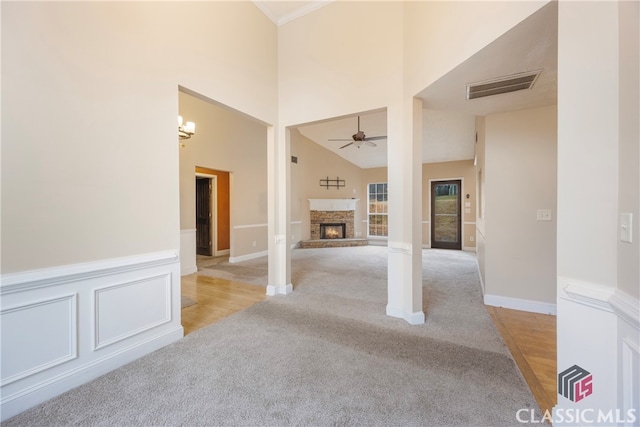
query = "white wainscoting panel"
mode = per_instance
[
  {"x": 124, "y": 310},
  {"x": 599, "y": 330},
  {"x": 64, "y": 326},
  {"x": 51, "y": 328}
]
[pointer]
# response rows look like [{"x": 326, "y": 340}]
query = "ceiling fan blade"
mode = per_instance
[
  {"x": 371, "y": 144},
  {"x": 339, "y": 140},
  {"x": 346, "y": 145},
  {"x": 375, "y": 138}
]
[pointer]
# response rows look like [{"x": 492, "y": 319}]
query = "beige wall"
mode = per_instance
[
  {"x": 89, "y": 146},
  {"x": 439, "y": 35},
  {"x": 316, "y": 163},
  {"x": 629, "y": 150},
  {"x": 436, "y": 171},
  {"x": 520, "y": 177},
  {"x": 480, "y": 197},
  {"x": 228, "y": 141},
  {"x": 328, "y": 66},
  {"x": 463, "y": 170}
]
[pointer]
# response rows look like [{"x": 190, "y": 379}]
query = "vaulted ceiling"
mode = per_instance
[{"x": 448, "y": 117}]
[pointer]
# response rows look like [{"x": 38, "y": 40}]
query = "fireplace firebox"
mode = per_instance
[{"x": 333, "y": 231}]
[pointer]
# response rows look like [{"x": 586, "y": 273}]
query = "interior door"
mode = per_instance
[
  {"x": 446, "y": 218},
  {"x": 203, "y": 217}
]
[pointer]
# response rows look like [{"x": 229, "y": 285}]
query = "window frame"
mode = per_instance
[{"x": 385, "y": 210}]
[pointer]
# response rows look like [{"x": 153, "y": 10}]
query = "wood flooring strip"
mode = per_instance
[
  {"x": 531, "y": 377},
  {"x": 215, "y": 299}
]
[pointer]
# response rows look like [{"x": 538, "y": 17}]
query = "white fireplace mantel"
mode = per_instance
[{"x": 333, "y": 204}]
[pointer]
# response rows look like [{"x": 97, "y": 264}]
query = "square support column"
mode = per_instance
[
  {"x": 405, "y": 211},
  {"x": 278, "y": 199}
]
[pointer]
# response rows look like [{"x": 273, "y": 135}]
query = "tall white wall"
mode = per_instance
[
  {"x": 598, "y": 314},
  {"x": 90, "y": 176},
  {"x": 89, "y": 114},
  {"x": 520, "y": 179}
]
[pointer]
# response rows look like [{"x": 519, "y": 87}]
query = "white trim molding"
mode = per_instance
[
  {"x": 599, "y": 330},
  {"x": 520, "y": 304},
  {"x": 332, "y": 204},
  {"x": 240, "y": 227},
  {"x": 273, "y": 290},
  {"x": 92, "y": 324}
]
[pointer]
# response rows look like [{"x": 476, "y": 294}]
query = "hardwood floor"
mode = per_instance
[
  {"x": 530, "y": 337},
  {"x": 215, "y": 299}
]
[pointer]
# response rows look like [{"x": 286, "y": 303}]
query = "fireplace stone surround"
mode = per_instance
[{"x": 332, "y": 211}]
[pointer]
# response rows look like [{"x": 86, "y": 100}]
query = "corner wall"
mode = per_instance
[
  {"x": 520, "y": 179},
  {"x": 315, "y": 163},
  {"x": 228, "y": 141}
]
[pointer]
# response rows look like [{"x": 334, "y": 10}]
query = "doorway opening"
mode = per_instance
[
  {"x": 205, "y": 207},
  {"x": 446, "y": 218},
  {"x": 213, "y": 235}
]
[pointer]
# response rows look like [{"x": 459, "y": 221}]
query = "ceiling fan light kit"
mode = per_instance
[{"x": 360, "y": 138}]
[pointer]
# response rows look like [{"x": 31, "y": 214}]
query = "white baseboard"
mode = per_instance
[
  {"x": 247, "y": 257},
  {"x": 273, "y": 290},
  {"x": 416, "y": 318},
  {"x": 92, "y": 323},
  {"x": 520, "y": 304},
  {"x": 222, "y": 252},
  {"x": 469, "y": 249}
]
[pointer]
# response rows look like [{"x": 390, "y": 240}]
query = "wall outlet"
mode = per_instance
[
  {"x": 254, "y": 243},
  {"x": 472, "y": 239}
]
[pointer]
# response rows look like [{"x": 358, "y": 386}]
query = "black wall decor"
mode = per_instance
[{"x": 337, "y": 183}]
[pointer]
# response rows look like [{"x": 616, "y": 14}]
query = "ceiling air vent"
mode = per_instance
[{"x": 504, "y": 84}]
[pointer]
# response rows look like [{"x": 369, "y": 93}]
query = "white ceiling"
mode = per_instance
[{"x": 449, "y": 118}]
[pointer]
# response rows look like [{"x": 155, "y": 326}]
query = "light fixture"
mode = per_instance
[{"x": 187, "y": 130}]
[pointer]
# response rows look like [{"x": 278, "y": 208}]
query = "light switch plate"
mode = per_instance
[
  {"x": 626, "y": 227},
  {"x": 543, "y": 215},
  {"x": 467, "y": 204}
]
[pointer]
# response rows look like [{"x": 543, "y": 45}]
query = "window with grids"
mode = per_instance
[{"x": 377, "y": 210}]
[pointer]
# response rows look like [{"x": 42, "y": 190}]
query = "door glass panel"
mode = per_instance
[{"x": 446, "y": 211}]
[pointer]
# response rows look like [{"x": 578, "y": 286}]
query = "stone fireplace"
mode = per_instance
[{"x": 332, "y": 223}]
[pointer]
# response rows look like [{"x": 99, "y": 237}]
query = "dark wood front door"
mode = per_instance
[
  {"x": 203, "y": 217},
  {"x": 446, "y": 219}
]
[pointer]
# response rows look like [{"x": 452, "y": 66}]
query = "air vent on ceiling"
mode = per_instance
[{"x": 504, "y": 84}]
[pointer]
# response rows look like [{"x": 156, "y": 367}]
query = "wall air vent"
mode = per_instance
[{"x": 504, "y": 84}]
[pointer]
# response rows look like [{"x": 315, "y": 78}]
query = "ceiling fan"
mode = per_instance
[{"x": 360, "y": 138}]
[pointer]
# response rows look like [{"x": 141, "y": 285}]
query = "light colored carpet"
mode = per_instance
[{"x": 324, "y": 355}]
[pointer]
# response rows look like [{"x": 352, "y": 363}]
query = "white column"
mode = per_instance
[
  {"x": 278, "y": 158},
  {"x": 405, "y": 211},
  {"x": 588, "y": 120}
]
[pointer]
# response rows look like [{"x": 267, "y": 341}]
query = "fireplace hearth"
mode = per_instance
[{"x": 333, "y": 231}]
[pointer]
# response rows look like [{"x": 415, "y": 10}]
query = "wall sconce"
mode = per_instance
[{"x": 187, "y": 130}]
